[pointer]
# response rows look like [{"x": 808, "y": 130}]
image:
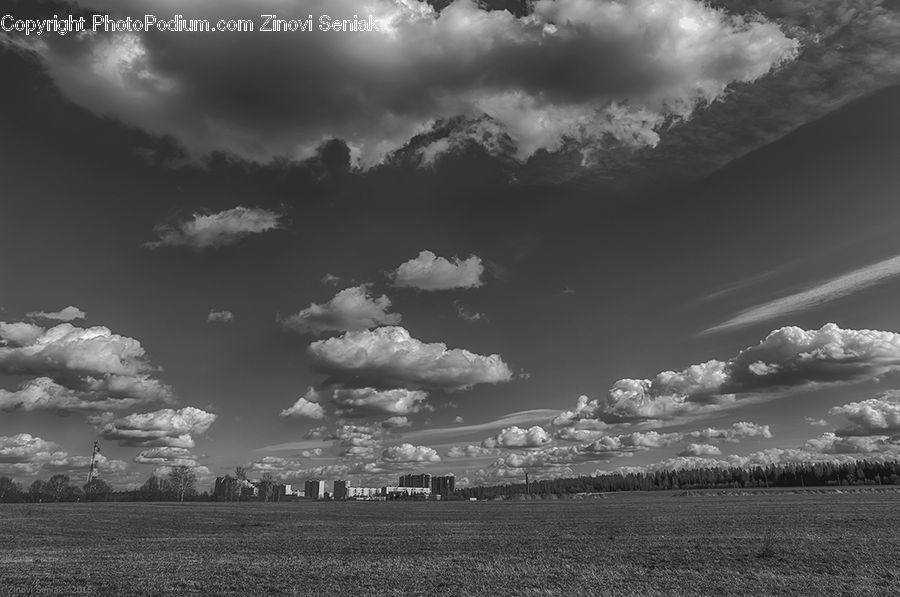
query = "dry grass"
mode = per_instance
[{"x": 629, "y": 544}]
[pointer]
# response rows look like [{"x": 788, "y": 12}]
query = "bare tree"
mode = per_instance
[{"x": 183, "y": 481}]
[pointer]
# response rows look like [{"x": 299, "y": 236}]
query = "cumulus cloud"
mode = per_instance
[
  {"x": 787, "y": 358},
  {"x": 472, "y": 451},
  {"x": 69, "y": 313},
  {"x": 26, "y": 454},
  {"x": 306, "y": 407},
  {"x": 700, "y": 450},
  {"x": 736, "y": 432},
  {"x": 595, "y": 75},
  {"x": 166, "y": 428},
  {"x": 873, "y": 416},
  {"x": 430, "y": 272},
  {"x": 408, "y": 453},
  {"x": 358, "y": 441},
  {"x": 204, "y": 231},
  {"x": 77, "y": 368},
  {"x": 390, "y": 357},
  {"x": 516, "y": 437},
  {"x": 220, "y": 316},
  {"x": 361, "y": 402},
  {"x": 42, "y": 393},
  {"x": 350, "y": 310}
]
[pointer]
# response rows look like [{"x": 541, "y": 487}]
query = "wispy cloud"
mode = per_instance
[
  {"x": 518, "y": 418},
  {"x": 820, "y": 294}
]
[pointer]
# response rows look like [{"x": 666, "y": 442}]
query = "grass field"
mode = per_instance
[{"x": 628, "y": 544}]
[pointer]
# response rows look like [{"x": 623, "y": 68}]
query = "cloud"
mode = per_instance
[
  {"x": 824, "y": 292},
  {"x": 594, "y": 76},
  {"x": 166, "y": 428},
  {"x": 167, "y": 456},
  {"x": 517, "y": 418},
  {"x": 331, "y": 280},
  {"x": 430, "y": 272},
  {"x": 77, "y": 368},
  {"x": 516, "y": 437},
  {"x": 220, "y": 316},
  {"x": 42, "y": 393},
  {"x": 736, "y": 432},
  {"x": 68, "y": 314},
  {"x": 361, "y": 402},
  {"x": 408, "y": 453},
  {"x": 66, "y": 348},
  {"x": 26, "y": 454},
  {"x": 875, "y": 416},
  {"x": 306, "y": 407},
  {"x": 700, "y": 450},
  {"x": 467, "y": 315},
  {"x": 358, "y": 441},
  {"x": 204, "y": 231},
  {"x": 472, "y": 451},
  {"x": 390, "y": 357},
  {"x": 788, "y": 358},
  {"x": 350, "y": 310}
]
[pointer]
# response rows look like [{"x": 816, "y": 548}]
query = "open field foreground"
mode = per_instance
[{"x": 627, "y": 544}]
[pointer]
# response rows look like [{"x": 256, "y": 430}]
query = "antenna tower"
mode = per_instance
[{"x": 93, "y": 472}]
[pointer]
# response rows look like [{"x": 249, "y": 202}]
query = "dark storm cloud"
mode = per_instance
[{"x": 601, "y": 74}]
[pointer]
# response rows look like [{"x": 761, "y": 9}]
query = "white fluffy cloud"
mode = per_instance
[
  {"x": 430, "y": 272},
  {"x": 26, "y": 454},
  {"x": 595, "y": 74},
  {"x": 42, "y": 393},
  {"x": 873, "y": 416},
  {"x": 700, "y": 450},
  {"x": 736, "y": 432},
  {"x": 166, "y": 428},
  {"x": 787, "y": 358},
  {"x": 350, "y": 310},
  {"x": 472, "y": 451},
  {"x": 408, "y": 453},
  {"x": 77, "y": 368},
  {"x": 306, "y": 407},
  {"x": 355, "y": 402},
  {"x": 204, "y": 231},
  {"x": 69, "y": 313},
  {"x": 220, "y": 316},
  {"x": 389, "y": 356},
  {"x": 516, "y": 437}
]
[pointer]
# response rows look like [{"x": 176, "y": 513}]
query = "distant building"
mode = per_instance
[
  {"x": 315, "y": 489},
  {"x": 232, "y": 489},
  {"x": 363, "y": 493},
  {"x": 340, "y": 489},
  {"x": 399, "y": 493},
  {"x": 443, "y": 485},
  {"x": 422, "y": 480}
]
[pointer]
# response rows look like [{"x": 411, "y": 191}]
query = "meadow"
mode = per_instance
[{"x": 660, "y": 543}]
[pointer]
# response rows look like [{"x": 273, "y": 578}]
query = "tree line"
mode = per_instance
[
  {"x": 818, "y": 474},
  {"x": 179, "y": 485}
]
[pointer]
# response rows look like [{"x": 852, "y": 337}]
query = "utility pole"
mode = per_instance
[
  {"x": 527, "y": 485},
  {"x": 93, "y": 472}
]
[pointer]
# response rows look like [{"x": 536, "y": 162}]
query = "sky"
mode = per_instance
[{"x": 567, "y": 238}]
